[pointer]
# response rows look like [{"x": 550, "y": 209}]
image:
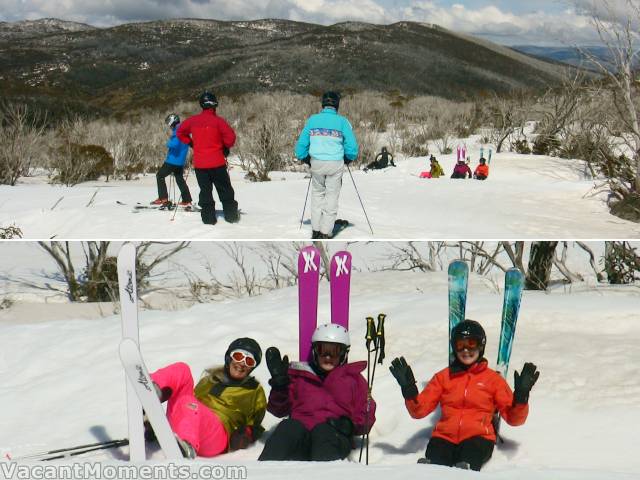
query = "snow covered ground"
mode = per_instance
[
  {"x": 61, "y": 383},
  {"x": 526, "y": 197}
]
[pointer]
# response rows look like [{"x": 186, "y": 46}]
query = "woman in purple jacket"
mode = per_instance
[
  {"x": 326, "y": 399},
  {"x": 461, "y": 170}
]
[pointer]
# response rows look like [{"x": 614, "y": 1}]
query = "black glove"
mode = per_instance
[
  {"x": 523, "y": 382},
  {"x": 241, "y": 438},
  {"x": 225, "y": 152},
  {"x": 344, "y": 425},
  {"x": 306, "y": 160},
  {"x": 162, "y": 393},
  {"x": 404, "y": 376},
  {"x": 278, "y": 368},
  {"x": 347, "y": 161}
]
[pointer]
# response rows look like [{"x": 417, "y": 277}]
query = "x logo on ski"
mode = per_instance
[
  {"x": 341, "y": 264},
  {"x": 309, "y": 263},
  {"x": 129, "y": 287}
]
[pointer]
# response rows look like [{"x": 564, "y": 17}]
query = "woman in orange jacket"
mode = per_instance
[
  {"x": 468, "y": 393},
  {"x": 482, "y": 170}
]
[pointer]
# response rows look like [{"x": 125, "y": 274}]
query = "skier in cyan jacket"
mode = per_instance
[
  {"x": 468, "y": 393},
  {"x": 326, "y": 144},
  {"x": 326, "y": 401}
]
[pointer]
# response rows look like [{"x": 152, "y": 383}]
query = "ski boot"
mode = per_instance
[
  {"x": 149, "y": 434},
  {"x": 160, "y": 201},
  {"x": 187, "y": 450},
  {"x": 232, "y": 217}
]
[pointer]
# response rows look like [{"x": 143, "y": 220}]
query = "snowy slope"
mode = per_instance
[
  {"x": 61, "y": 384},
  {"x": 526, "y": 197}
]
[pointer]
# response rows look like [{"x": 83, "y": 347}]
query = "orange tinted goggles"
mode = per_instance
[
  {"x": 242, "y": 357},
  {"x": 466, "y": 344},
  {"x": 328, "y": 349}
]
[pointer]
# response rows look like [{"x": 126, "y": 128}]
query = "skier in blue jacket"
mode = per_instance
[
  {"x": 173, "y": 165},
  {"x": 326, "y": 144}
]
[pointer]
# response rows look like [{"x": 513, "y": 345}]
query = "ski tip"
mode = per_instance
[
  {"x": 127, "y": 344},
  {"x": 127, "y": 249},
  {"x": 458, "y": 265}
]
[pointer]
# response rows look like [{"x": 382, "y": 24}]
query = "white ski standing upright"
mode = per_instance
[
  {"x": 139, "y": 376},
  {"x": 129, "y": 312}
]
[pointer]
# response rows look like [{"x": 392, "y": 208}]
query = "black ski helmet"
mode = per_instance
[
  {"x": 208, "y": 100},
  {"x": 331, "y": 99},
  {"x": 469, "y": 329},
  {"x": 172, "y": 120},
  {"x": 244, "y": 343}
]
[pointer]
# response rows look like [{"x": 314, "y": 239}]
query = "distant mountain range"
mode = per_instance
[
  {"x": 569, "y": 55},
  {"x": 75, "y": 66}
]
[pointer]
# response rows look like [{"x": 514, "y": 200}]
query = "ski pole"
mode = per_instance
[
  {"x": 82, "y": 452},
  {"x": 305, "y": 203},
  {"x": 379, "y": 348},
  {"x": 173, "y": 186},
  {"x": 369, "y": 337},
  {"x": 80, "y": 448},
  {"x": 186, "y": 177},
  {"x": 359, "y": 198},
  {"x": 380, "y": 343},
  {"x": 381, "y": 337},
  {"x": 175, "y": 208}
]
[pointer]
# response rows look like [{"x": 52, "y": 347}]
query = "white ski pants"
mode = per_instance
[{"x": 326, "y": 180}]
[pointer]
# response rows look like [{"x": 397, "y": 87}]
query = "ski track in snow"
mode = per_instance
[
  {"x": 61, "y": 383},
  {"x": 525, "y": 197}
]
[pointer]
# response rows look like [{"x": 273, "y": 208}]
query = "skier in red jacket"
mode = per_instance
[
  {"x": 469, "y": 393},
  {"x": 211, "y": 138}
]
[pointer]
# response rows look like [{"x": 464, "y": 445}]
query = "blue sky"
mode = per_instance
[{"x": 537, "y": 22}]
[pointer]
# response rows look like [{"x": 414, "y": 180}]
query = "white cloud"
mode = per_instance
[{"x": 568, "y": 26}]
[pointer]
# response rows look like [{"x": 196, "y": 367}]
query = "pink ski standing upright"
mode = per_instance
[
  {"x": 462, "y": 152},
  {"x": 308, "y": 280},
  {"x": 340, "y": 281}
]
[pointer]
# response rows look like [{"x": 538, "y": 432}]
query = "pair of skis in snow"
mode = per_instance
[
  {"x": 461, "y": 153},
  {"x": 513, "y": 286},
  {"x": 309, "y": 260},
  {"x": 140, "y": 391},
  {"x": 488, "y": 159}
]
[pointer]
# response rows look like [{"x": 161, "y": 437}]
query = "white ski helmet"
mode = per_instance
[{"x": 333, "y": 333}]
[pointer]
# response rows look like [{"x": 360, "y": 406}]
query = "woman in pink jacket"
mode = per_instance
[{"x": 326, "y": 399}]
